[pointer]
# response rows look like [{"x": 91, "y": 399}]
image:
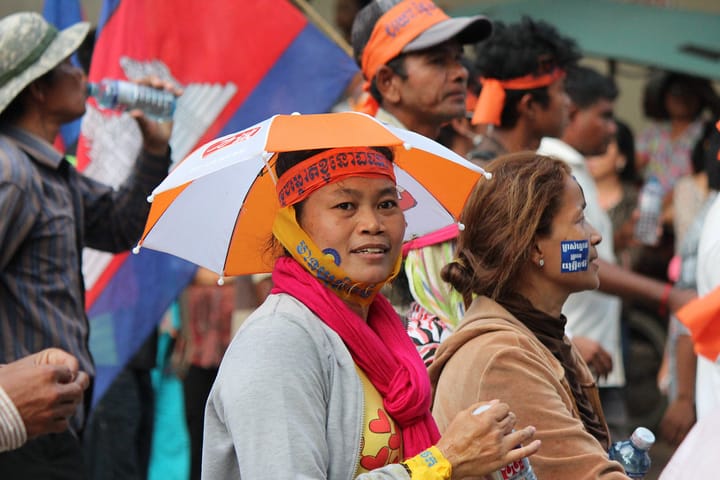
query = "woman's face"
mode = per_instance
[
  {"x": 681, "y": 102},
  {"x": 606, "y": 165},
  {"x": 569, "y": 252},
  {"x": 360, "y": 221}
]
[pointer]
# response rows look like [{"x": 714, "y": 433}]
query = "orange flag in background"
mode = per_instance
[{"x": 702, "y": 317}]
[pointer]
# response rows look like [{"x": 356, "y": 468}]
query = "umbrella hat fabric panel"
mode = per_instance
[{"x": 217, "y": 207}]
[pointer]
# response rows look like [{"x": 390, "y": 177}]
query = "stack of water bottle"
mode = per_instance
[{"x": 633, "y": 452}]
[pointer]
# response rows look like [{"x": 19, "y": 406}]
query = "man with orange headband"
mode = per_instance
[
  {"x": 522, "y": 99},
  {"x": 409, "y": 52}
]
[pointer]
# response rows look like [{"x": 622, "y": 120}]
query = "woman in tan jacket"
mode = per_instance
[{"x": 525, "y": 248}]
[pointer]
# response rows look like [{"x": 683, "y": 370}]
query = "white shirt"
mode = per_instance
[
  {"x": 592, "y": 314},
  {"x": 696, "y": 457},
  {"x": 707, "y": 382}
]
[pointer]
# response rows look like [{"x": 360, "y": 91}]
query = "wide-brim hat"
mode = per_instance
[
  {"x": 31, "y": 47},
  {"x": 465, "y": 30}
]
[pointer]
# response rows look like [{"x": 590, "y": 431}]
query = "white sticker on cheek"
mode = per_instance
[{"x": 574, "y": 256}]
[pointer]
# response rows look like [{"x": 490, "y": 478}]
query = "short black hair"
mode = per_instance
[
  {"x": 586, "y": 86},
  {"x": 519, "y": 49},
  {"x": 523, "y": 48}
]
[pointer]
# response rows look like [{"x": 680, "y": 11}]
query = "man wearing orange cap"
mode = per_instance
[
  {"x": 409, "y": 52},
  {"x": 522, "y": 99}
]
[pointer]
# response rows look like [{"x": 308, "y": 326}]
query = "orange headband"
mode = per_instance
[
  {"x": 393, "y": 31},
  {"x": 328, "y": 167},
  {"x": 492, "y": 96}
]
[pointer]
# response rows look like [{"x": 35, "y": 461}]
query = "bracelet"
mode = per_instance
[
  {"x": 429, "y": 464},
  {"x": 662, "y": 308}
]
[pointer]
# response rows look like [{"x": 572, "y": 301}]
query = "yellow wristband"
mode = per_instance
[{"x": 429, "y": 464}]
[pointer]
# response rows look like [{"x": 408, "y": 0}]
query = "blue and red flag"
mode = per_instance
[{"x": 239, "y": 62}]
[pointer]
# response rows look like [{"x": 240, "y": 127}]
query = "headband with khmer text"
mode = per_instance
[{"x": 330, "y": 166}]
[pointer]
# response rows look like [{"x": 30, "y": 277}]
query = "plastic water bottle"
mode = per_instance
[
  {"x": 518, "y": 470},
  {"x": 651, "y": 199},
  {"x": 633, "y": 453},
  {"x": 155, "y": 103}
]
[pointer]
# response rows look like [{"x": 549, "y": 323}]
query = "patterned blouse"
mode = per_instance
[
  {"x": 667, "y": 159},
  {"x": 426, "y": 331}
]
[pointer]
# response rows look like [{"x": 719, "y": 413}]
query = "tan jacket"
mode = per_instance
[{"x": 493, "y": 355}]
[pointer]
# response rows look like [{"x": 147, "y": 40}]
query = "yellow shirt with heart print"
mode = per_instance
[{"x": 381, "y": 442}]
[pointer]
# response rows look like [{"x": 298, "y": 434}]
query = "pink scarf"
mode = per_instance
[{"x": 380, "y": 347}]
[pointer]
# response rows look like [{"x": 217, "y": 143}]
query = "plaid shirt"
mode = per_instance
[{"x": 48, "y": 212}]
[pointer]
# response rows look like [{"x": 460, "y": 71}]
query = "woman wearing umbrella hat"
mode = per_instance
[{"x": 322, "y": 380}]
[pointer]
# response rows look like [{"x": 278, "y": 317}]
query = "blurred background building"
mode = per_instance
[{"x": 631, "y": 77}]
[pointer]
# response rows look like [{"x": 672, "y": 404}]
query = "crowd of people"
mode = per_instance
[{"x": 521, "y": 309}]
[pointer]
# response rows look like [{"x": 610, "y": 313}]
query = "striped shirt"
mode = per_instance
[
  {"x": 48, "y": 212},
  {"x": 12, "y": 429}
]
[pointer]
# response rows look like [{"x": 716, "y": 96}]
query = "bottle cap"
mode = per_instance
[
  {"x": 642, "y": 438},
  {"x": 92, "y": 89}
]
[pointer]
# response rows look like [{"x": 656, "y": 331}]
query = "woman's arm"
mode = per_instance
[
  {"x": 266, "y": 416},
  {"x": 513, "y": 372}
]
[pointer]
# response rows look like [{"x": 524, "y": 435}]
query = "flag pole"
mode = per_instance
[{"x": 323, "y": 25}]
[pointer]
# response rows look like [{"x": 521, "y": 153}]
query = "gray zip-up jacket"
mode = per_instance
[{"x": 287, "y": 402}]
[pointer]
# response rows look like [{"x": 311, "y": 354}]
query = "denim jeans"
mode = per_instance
[
  {"x": 118, "y": 435},
  {"x": 57, "y": 456}
]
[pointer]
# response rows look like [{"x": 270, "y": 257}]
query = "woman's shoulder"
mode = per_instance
[
  {"x": 486, "y": 316},
  {"x": 278, "y": 316},
  {"x": 503, "y": 342},
  {"x": 490, "y": 331},
  {"x": 281, "y": 342},
  {"x": 489, "y": 349}
]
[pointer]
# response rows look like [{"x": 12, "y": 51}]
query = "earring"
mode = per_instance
[{"x": 541, "y": 262}]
